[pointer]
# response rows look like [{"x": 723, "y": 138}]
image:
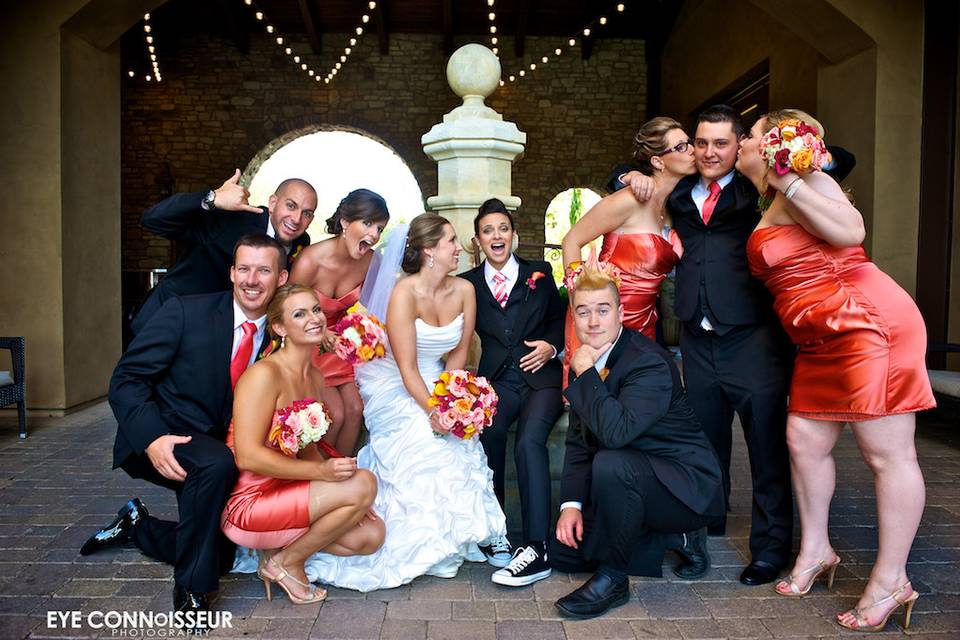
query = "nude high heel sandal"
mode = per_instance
[
  {"x": 816, "y": 570},
  {"x": 860, "y": 623}
]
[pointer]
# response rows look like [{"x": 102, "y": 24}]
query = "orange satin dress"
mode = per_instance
[
  {"x": 265, "y": 513},
  {"x": 644, "y": 260},
  {"x": 860, "y": 337},
  {"x": 335, "y": 370}
]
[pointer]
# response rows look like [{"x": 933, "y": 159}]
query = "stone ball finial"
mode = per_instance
[{"x": 473, "y": 70}]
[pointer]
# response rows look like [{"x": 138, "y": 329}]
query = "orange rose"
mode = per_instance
[{"x": 801, "y": 160}]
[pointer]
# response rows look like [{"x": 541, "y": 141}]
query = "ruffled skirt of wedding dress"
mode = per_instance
[{"x": 435, "y": 495}]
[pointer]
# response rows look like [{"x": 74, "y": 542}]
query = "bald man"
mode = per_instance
[{"x": 209, "y": 224}]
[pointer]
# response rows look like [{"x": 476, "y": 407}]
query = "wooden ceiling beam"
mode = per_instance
[
  {"x": 447, "y": 27},
  {"x": 236, "y": 25},
  {"x": 380, "y": 21},
  {"x": 524, "y": 8},
  {"x": 308, "y": 11}
]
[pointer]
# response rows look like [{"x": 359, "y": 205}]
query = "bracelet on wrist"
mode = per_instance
[{"x": 792, "y": 188}]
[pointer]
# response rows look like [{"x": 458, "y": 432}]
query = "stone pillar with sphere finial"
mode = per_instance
[{"x": 474, "y": 147}]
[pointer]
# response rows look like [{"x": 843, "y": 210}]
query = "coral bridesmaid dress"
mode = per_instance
[
  {"x": 335, "y": 370},
  {"x": 860, "y": 337},
  {"x": 265, "y": 513},
  {"x": 644, "y": 260}
]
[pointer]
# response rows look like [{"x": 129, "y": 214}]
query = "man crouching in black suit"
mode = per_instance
[
  {"x": 172, "y": 395},
  {"x": 638, "y": 471}
]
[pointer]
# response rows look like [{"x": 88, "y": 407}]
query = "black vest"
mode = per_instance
[{"x": 713, "y": 277}]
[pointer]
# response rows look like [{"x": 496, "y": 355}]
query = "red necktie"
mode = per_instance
[
  {"x": 245, "y": 349},
  {"x": 711, "y": 202},
  {"x": 500, "y": 288}
]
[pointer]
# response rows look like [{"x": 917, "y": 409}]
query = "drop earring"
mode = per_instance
[
  {"x": 283, "y": 341},
  {"x": 430, "y": 262}
]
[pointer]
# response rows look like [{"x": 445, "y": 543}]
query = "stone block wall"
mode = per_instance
[{"x": 217, "y": 108}]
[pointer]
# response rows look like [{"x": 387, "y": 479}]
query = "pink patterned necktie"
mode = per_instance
[{"x": 500, "y": 288}]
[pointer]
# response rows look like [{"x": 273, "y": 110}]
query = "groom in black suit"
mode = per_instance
[
  {"x": 209, "y": 223},
  {"x": 520, "y": 324},
  {"x": 736, "y": 357},
  {"x": 172, "y": 395},
  {"x": 638, "y": 471}
]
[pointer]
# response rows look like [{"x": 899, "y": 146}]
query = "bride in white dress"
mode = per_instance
[{"x": 435, "y": 493}]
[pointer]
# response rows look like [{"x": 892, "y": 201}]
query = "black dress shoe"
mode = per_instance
[
  {"x": 759, "y": 572},
  {"x": 595, "y": 597},
  {"x": 694, "y": 558},
  {"x": 186, "y": 600},
  {"x": 118, "y": 530}
]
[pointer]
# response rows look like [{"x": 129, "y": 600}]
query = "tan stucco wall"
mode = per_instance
[
  {"x": 716, "y": 41},
  {"x": 60, "y": 246},
  {"x": 897, "y": 28},
  {"x": 90, "y": 153}
]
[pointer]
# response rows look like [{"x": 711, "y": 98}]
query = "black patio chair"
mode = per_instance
[{"x": 16, "y": 392}]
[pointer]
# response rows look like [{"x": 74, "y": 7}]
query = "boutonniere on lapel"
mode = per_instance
[
  {"x": 273, "y": 346},
  {"x": 604, "y": 373},
  {"x": 295, "y": 254},
  {"x": 532, "y": 283}
]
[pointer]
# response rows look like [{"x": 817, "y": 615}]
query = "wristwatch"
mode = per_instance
[{"x": 207, "y": 202}]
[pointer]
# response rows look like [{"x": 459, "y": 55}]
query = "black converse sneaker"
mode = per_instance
[
  {"x": 529, "y": 565},
  {"x": 497, "y": 552}
]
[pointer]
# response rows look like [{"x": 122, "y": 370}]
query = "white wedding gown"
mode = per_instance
[{"x": 435, "y": 495}]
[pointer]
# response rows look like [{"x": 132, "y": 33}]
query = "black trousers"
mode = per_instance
[
  {"x": 195, "y": 546},
  {"x": 630, "y": 519},
  {"x": 747, "y": 371},
  {"x": 535, "y": 411}
]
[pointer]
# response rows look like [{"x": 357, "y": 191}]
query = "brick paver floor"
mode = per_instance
[{"x": 57, "y": 487}]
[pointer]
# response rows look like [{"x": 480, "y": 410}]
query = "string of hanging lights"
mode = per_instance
[
  {"x": 494, "y": 37},
  {"x": 591, "y": 27},
  {"x": 151, "y": 52},
  {"x": 351, "y": 43},
  {"x": 282, "y": 42}
]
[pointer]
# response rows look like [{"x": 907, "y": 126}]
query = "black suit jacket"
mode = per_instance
[
  {"x": 210, "y": 237},
  {"x": 714, "y": 266},
  {"x": 530, "y": 314},
  {"x": 175, "y": 376},
  {"x": 641, "y": 405}
]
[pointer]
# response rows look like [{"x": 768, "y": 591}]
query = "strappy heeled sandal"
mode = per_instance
[
  {"x": 860, "y": 623},
  {"x": 316, "y": 595},
  {"x": 816, "y": 570}
]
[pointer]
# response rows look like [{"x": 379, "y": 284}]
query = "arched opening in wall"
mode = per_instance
[
  {"x": 564, "y": 210},
  {"x": 335, "y": 162}
]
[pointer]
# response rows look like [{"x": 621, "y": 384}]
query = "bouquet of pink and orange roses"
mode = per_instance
[
  {"x": 303, "y": 422},
  {"x": 793, "y": 145},
  {"x": 465, "y": 403},
  {"x": 360, "y": 336}
]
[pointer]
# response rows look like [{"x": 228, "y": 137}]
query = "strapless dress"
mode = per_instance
[{"x": 860, "y": 338}]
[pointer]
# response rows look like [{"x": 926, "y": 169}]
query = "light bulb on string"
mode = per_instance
[
  {"x": 371, "y": 5},
  {"x": 572, "y": 42},
  {"x": 586, "y": 32},
  {"x": 620, "y": 7},
  {"x": 603, "y": 19},
  {"x": 364, "y": 18},
  {"x": 269, "y": 28}
]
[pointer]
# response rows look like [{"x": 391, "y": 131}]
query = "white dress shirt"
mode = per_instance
[
  {"x": 701, "y": 190},
  {"x": 510, "y": 271},
  {"x": 238, "y": 319},
  {"x": 598, "y": 365},
  {"x": 699, "y": 193},
  {"x": 273, "y": 234}
]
